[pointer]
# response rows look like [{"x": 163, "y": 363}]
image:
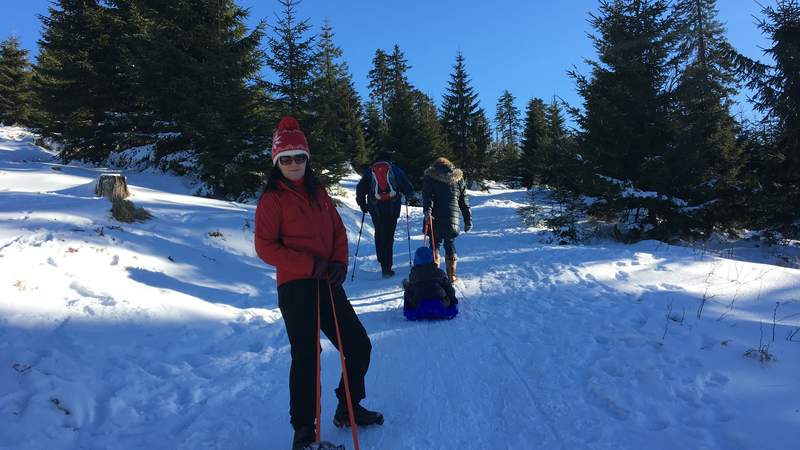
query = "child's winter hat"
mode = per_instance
[
  {"x": 423, "y": 256},
  {"x": 288, "y": 140}
]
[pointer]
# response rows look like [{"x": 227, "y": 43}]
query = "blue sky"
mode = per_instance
[{"x": 525, "y": 46}]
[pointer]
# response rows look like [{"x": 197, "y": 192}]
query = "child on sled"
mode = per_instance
[{"x": 427, "y": 283}]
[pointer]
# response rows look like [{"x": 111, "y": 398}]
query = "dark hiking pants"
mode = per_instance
[
  {"x": 298, "y": 303},
  {"x": 385, "y": 222}
]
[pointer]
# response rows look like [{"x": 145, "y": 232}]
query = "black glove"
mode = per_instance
[
  {"x": 467, "y": 226},
  {"x": 363, "y": 208},
  {"x": 320, "y": 270},
  {"x": 337, "y": 272}
]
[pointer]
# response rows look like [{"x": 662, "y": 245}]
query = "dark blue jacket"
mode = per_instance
[
  {"x": 428, "y": 282},
  {"x": 365, "y": 187}
]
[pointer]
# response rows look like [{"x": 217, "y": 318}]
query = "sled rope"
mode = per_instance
[{"x": 429, "y": 225}]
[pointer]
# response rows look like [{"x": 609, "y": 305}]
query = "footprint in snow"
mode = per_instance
[{"x": 623, "y": 276}]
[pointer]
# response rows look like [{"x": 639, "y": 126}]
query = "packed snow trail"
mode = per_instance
[{"x": 166, "y": 334}]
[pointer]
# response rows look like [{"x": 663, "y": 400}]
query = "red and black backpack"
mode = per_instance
[{"x": 382, "y": 178}]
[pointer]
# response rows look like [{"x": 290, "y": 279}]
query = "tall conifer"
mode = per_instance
[
  {"x": 461, "y": 122},
  {"x": 15, "y": 83}
]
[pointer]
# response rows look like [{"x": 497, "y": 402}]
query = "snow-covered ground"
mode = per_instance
[{"x": 166, "y": 334}]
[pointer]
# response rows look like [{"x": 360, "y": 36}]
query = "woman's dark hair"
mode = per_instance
[{"x": 310, "y": 181}]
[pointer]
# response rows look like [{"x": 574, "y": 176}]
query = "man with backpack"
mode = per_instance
[{"x": 379, "y": 193}]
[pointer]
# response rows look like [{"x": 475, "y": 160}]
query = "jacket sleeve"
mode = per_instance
[
  {"x": 463, "y": 202},
  {"x": 403, "y": 182},
  {"x": 267, "y": 239},
  {"x": 362, "y": 190},
  {"x": 340, "y": 250}
]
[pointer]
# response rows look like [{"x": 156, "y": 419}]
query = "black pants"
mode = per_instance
[
  {"x": 385, "y": 222},
  {"x": 298, "y": 303}
]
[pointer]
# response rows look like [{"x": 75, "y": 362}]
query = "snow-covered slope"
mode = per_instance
[{"x": 166, "y": 334}]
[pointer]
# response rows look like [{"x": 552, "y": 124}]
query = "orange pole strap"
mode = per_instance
[{"x": 344, "y": 372}]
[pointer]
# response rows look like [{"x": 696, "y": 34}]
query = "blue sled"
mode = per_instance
[{"x": 431, "y": 310}]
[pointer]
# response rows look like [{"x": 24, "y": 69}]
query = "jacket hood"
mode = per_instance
[{"x": 444, "y": 173}]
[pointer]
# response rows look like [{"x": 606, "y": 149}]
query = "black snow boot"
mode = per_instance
[
  {"x": 303, "y": 436},
  {"x": 363, "y": 416}
]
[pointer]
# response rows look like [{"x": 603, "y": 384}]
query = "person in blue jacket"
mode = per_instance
[
  {"x": 427, "y": 282},
  {"x": 378, "y": 193}
]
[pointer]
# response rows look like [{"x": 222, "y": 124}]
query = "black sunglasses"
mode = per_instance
[{"x": 298, "y": 159}]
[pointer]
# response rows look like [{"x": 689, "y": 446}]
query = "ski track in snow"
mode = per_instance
[{"x": 166, "y": 334}]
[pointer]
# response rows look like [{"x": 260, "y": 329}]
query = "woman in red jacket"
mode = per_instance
[{"x": 299, "y": 231}]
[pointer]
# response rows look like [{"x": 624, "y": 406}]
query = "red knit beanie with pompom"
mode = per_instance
[{"x": 288, "y": 140}]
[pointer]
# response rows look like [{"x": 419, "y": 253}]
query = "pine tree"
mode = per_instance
[
  {"x": 412, "y": 139},
  {"x": 377, "y": 120},
  {"x": 565, "y": 171},
  {"x": 460, "y": 118},
  {"x": 627, "y": 125},
  {"x": 534, "y": 163},
  {"x": 82, "y": 79},
  {"x": 479, "y": 145},
  {"x": 626, "y": 122},
  {"x": 705, "y": 161},
  {"x": 291, "y": 57},
  {"x": 507, "y": 125},
  {"x": 376, "y": 130},
  {"x": 15, "y": 83},
  {"x": 775, "y": 159},
  {"x": 336, "y": 137},
  {"x": 379, "y": 87},
  {"x": 199, "y": 68},
  {"x": 507, "y": 120}
]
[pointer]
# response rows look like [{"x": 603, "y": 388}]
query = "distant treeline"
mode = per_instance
[{"x": 656, "y": 144}]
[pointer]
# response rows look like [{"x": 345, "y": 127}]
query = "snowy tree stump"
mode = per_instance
[{"x": 112, "y": 187}]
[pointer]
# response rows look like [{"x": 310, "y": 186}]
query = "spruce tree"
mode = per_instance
[
  {"x": 291, "y": 57},
  {"x": 507, "y": 125},
  {"x": 533, "y": 161},
  {"x": 15, "y": 83},
  {"x": 377, "y": 120},
  {"x": 412, "y": 139},
  {"x": 775, "y": 159},
  {"x": 376, "y": 130},
  {"x": 460, "y": 118},
  {"x": 705, "y": 160},
  {"x": 82, "y": 79},
  {"x": 564, "y": 170},
  {"x": 379, "y": 86},
  {"x": 627, "y": 124},
  {"x": 626, "y": 121},
  {"x": 336, "y": 137}
]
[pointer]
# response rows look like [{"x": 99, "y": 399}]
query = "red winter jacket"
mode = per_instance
[{"x": 290, "y": 231}]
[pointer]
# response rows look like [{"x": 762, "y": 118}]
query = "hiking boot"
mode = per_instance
[
  {"x": 388, "y": 273},
  {"x": 451, "y": 268},
  {"x": 362, "y": 415},
  {"x": 303, "y": 436}
]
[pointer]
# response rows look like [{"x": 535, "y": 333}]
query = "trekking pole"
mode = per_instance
[
  {"x": 408, "y": 232},
  {"x": 350, "y": 413},
  {"x": 355, "y": 258},
  {"x": 319, "y": 370}
]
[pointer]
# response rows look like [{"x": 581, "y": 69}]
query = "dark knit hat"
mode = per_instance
[
  {"x": 288, "y": 140},
  {"x": 423, "y": 256}
]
